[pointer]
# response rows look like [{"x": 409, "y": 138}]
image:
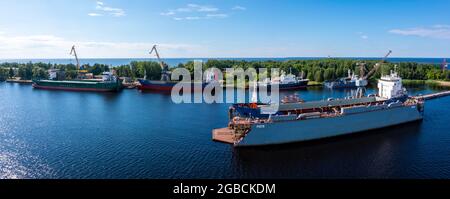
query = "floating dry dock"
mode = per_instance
[{"x": 262, "y": 124}]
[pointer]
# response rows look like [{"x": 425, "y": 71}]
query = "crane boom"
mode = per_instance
[
  {"x": 377, "y": 66},
  {"x": 157, "y": 55},
  {"x": 74, "y": 52},
  {"x": 165, "y": 74}
]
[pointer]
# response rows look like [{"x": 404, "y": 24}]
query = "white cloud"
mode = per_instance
[
  {"x": 362, "y": 35},
  {"x": 436, "y": 31},
  {"x": 200, "y": 8},
  {"x": 199, "y": 12},
  {"x": 216, "y": 15},
  {"x": 106, "y": 10},
  {"x": 239, "y": 8},
  {"x": 168, "y": 13},
  {"x": 95, "y": 14},
  {"x": 50, "y": 46}
]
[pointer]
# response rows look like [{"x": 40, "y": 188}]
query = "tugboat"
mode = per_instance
[
  {"x": 285, "y": 82},
  {"x": 108, "y": 83}
]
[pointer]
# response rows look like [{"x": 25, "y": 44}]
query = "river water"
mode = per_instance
[{"x": 58, "y": 134}]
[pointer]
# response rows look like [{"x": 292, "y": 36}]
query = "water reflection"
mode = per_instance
[{"x": 369, "y": 154}]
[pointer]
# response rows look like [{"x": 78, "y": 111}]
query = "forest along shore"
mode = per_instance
[{"x": 317, "y": 71}]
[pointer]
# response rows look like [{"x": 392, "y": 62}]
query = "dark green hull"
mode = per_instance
[{"x": 78, "y": 85}]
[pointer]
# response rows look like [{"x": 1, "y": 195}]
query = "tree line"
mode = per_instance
[
  {"x": 315, "y": 70},
  {"x": 28, "y": 71}
]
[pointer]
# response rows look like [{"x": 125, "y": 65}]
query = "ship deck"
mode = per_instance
[{"x": 225, "y": 135}]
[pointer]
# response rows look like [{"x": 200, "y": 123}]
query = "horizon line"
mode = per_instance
[{"x": 337, "y": 57}]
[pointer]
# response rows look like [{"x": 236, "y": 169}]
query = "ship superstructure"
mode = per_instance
[{"x": 285, "y": 82}]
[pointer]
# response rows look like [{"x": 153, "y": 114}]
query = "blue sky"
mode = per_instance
[{"x": 247, "y": 28}]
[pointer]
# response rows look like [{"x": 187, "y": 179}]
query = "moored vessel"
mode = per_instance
[
  {"x": 344, "y": 82},
  {"x": 284, "y": 82},
  {"x": 108, "y": 83},
  {"x": 165, "y": 84},
  {"x": 262, "y": 124}
]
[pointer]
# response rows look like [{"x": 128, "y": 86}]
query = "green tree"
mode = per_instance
[
  {"x": 318, "y": 76},
  {"x": 3, "y": 74},
  {"x": 11, "y": 72},
  {"x": 71, "y": 74},
  {"x": 39, "y": 73}
]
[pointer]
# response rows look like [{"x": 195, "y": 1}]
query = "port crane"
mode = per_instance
[
  {"x": 362, "y": 81},
  {"x": 165, "y": 76},
  {"x": 74, "y": 53}
]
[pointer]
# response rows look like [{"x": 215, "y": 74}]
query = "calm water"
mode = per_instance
[
  {"x": 176, "y": 61},
  {"x": 57, "y": 134}
]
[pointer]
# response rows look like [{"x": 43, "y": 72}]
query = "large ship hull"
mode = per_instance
[
  {"x": 314, "y": 129},
  {"x": 165, "y": 86},
  {"x": 78, "y": 85},
  {"x": 284, "y": 87}
]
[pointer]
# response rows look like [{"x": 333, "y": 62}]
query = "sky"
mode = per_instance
[{"x": 224, "y": 28}]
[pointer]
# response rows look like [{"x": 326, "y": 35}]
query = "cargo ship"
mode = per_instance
[
  {"x": 284, "y": 82},
  {"x": 165, "y": 84},
  {"x": 109, "y": 83},
  {"x": 344, "y": 82},
  {"x": 255, "y": 124}
]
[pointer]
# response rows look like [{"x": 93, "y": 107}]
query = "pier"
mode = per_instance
[
  {"x": 433, "y": 95},
  {"x": 225, "y": 135},
  {"x": 19, "y": 81}
]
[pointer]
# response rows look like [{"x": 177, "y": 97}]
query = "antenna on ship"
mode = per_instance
[
  {"x": 444, "y": 65},
  {"x": 255, "y": 93}
]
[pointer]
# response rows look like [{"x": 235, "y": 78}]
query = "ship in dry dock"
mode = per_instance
[{"x": 258, "y": 124}]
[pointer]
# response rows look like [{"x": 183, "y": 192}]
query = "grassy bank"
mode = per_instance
[
  {"x": 412, "y": 82},
  {"x": 314, "y": 83}
]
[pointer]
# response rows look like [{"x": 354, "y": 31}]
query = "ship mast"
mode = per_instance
[
  {"x": 444, "y": 64},
  {"x": 74, "y": 52}
]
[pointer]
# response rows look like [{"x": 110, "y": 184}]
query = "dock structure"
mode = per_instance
[
  {"x": 225, "y": 135},
  {"x": 19, "y": 81},
  {"x": 433, "y": 95}
]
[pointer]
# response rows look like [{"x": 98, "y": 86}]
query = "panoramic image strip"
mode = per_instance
[{"x": 223, "y": 98}]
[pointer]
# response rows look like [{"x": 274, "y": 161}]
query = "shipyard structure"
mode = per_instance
[{"x": 255, "y": 124}]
